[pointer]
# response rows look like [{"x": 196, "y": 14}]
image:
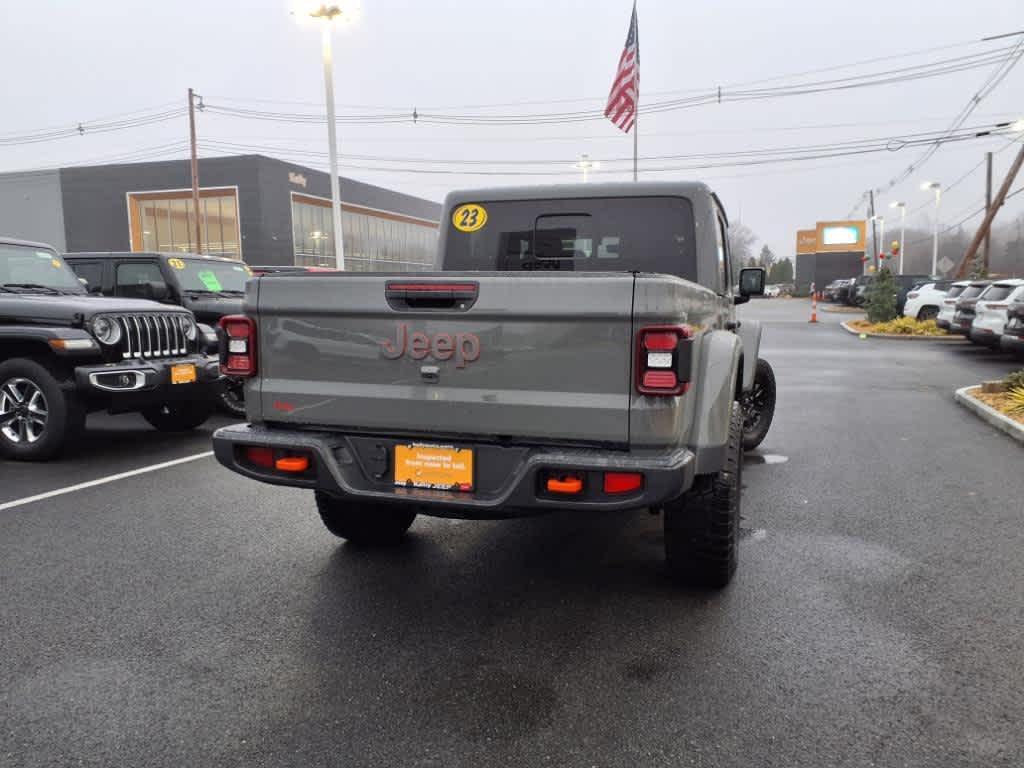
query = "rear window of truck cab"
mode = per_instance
[{"x": 643, "y": 234}]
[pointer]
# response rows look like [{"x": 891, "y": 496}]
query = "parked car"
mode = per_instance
[
  {"x": 990, "y": 312},
  {"x": 904, "y": 285},
  {"x": 65, "y": 353},
  {"x": 925, "y": 299},
  {"x": 963, "y": 317},
  {"x": 829, "y": 294},
  {"x": 1013, "y": 332},
  {"x": 842, "y": 290},
  {"x": 857, "y": 292},
  {"x": 948, "y": 306},
  {"x": 209, "y": 286},
  {"x": 406, "y": 426}
]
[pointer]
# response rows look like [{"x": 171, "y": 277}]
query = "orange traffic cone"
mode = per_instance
[{"x": 814, "y": 306}]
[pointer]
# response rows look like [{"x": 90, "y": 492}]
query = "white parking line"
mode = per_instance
[{"x": 103, "y": 481}]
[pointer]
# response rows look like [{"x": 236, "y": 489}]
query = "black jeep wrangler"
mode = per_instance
[
  {"x": 209, "y": 286},
  {"x": 65, "y": 353}
]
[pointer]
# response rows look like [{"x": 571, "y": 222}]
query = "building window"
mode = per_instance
[
  {"x": 374, "y": 242},
  {"x": 165, "y": 221}
]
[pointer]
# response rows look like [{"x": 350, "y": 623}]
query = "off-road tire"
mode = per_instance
[
  {"x": 367, "y": 524},
  {"x": 927, "y": 313},
  {"x": 64, "y": 420},
  {"x": 702, "y": 527},
  {"x": 758, "y": 406},
  {"x": 179, "y": 416}
]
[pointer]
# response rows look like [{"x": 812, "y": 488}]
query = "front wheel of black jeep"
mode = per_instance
[
  {"x": 702, "y": 527},
  {"x": 364, "y": 523},
  {"x": 232, "y": 400},
  {"x": 37, "y": 417},
  {"x": 758, "y": 406},
  {"x": 179, "y": 416}
]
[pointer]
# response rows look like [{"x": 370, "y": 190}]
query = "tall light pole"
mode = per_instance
[
  {"x": 903, "y": 227},
  {"x": 935, "y": 227},
  {"x": 880, "y": 243},
  {"x": 586, "y": 165},
  {"x": 327, "y": 14}
]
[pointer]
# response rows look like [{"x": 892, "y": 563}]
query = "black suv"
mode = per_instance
[
  {"x": 65, "y": 353},
  {"x": 210, "y": 286},
  {"x": 1012, "y": 339}
]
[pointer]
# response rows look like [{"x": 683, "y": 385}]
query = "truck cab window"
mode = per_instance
[{"x": 133, "y": 278}]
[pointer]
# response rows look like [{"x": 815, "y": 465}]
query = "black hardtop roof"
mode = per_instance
[
  {"x": 147, "y": 254},
  {"x": 571, "y": 191}
]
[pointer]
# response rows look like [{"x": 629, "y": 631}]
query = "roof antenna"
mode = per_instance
[{"x": 415, "y": 115}]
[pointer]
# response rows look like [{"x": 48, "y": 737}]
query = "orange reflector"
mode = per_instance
[
  {"x": 565, "y": 484},
  {"x": 292, "y": 464},
  {"x": 622, "y": 482},
  {"x": 261, "y": 457}
]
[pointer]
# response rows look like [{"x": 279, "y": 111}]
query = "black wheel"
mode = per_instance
[
  {"x": 179, "y": 416},
  {"x": 702, "y": 527},
  {"x": 232, "y": 400},
  {"x": 758, "y": 406},
  {"x": 37, "y": 418},
  {"x": 928, "y": 313},
  {"x": 370, "y": 524}
]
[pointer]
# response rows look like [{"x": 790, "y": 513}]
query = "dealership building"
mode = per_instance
[
  {"x": 253, "y": 208},
  {"x": 833, "y": 250}
]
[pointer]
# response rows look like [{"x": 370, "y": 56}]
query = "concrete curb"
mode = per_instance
[
  {"x": 903, "y": 336},
  {"x": 840, "y": 310},
  {"x": 986, "y": 412}
]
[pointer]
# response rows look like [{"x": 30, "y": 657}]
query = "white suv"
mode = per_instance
[
  {"x": 990, "y": 316},
  {"x": 925, "y": 300},
  {"x": 947, "y": 307}
]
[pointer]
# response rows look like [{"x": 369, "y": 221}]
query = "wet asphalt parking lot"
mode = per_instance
[{"x": 188, "y": 616}]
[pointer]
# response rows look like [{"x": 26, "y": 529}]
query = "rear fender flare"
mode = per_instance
[
  {"x": 749, "y": 332},
  {"x": 716, "y": 379}
]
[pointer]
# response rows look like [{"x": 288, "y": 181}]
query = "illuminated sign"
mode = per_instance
[
  {"x": 297, "y": 178},
  {"x": 840, "y": 236}
]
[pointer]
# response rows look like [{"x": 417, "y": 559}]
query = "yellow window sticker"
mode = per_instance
[
  {"x": 56, "y": 263},
  {"x": 176, "y": 263},
  {"x": 469, "y": 217}
]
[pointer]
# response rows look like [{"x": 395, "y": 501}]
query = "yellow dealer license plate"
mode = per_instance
[
  {"x": 441, "y": 467},
  {"x": 183, "y": 373}
]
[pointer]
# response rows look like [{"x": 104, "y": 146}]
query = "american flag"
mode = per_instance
[{"x": 622, "y": 99}]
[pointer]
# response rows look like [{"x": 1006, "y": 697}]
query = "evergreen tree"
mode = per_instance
[{"x": 881, "y": 297}]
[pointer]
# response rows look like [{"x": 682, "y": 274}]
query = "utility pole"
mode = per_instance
[
  {"x": 988, "y": 207},
  {"x": 997, "y": 203},
  {"x": 874, "y": 229},
  {"x": 195, "y": 168}
]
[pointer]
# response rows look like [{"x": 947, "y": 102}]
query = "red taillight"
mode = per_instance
[
  {"x": 238, "y": 346},
  {"x": 663, "y": 360},
  {"x": 997, "y": 306},
  {"x": 622, "y": 482},
  {"x": 261, "y": 457}
]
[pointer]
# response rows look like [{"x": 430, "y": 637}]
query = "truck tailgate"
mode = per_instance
[{"x": 513, "y": 356}]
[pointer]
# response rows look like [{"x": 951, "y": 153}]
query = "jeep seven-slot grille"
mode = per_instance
[{"x": 152, "y": 335}]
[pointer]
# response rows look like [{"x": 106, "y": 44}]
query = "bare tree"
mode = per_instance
[{"x": 741, "y": 243}]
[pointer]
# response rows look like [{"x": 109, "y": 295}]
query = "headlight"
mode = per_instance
[
  {"x": 188, "y": 326},
  {"x": 106, "y": 330}
]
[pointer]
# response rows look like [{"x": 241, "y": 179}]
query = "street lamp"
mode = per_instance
[
  {"x": 586, "y": 165},
  {"x": 935, "y": 227},
  {"x": 329, "y": 14},
  {"x": 903, "y": 227}
]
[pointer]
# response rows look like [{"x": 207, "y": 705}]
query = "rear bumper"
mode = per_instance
[
  {"x": 1010, "y": 343},
  {"x": 942, "y": 322},
  {"x": 508, "y": 479},
  {"x": 137, "y": 384},
  {"x": 984, "y": 336}
]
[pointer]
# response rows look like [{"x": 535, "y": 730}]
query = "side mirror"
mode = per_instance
[
  {"x": 751, "y": 284},
  {"x": 155, "y": 290}
]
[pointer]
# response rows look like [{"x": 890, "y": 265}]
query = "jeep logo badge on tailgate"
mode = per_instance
[{"x": 464, "y": 347}]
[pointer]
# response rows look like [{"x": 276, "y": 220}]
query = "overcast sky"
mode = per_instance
[{"x": 66, "y": 62}]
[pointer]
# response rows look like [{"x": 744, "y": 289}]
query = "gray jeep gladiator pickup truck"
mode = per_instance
[{"x": 576, "y": 349}]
